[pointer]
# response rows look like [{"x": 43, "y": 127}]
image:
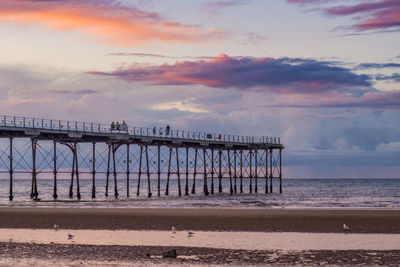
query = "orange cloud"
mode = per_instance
[{"x": 108, "y": 22}]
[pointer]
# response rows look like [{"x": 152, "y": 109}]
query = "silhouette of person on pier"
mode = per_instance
[{"x": 167, "y": 130}]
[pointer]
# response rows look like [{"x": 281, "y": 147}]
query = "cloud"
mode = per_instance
[
  {"x": 107, "y": 21},
  {"x": 394, "y": 77},
  {"x": 280, "y": 76},
  {"x": 379, "y": 15},
  {"x": 301, "y": 83},
  {"x": 214, "y": 8},
  {"x": 378, "y": 65},
  {"x": 156, "y": 55}
]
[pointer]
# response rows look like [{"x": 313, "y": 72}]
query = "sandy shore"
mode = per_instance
[
  {"x": 256, "y": 220},
  {"x": 317, "y": 221}
]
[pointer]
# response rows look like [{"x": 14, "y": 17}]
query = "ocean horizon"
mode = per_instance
[{"x": 298, "y": 193}]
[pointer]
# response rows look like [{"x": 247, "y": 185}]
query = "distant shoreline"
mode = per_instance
[{"x": 262, "y": 220}]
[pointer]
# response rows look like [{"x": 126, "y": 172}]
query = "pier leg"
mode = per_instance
[
  {"x": 169, "y": 172},
  {"x": 255, "y": 172},
  {"x": 34, "y": 193},
  {"x": 194, "y": 172},
  {"x": 148, "y": 173},
  {"x": 11, "y": 171},
  {"x": 158, "y": 171},
  {"x": 205, "y": 187},
  {"x": 230, "y": 172},
  {"x": 94, "y": 170},
  {"x": 280, "y": 170},
  {"x": 140, "y": 171},
  {"x": 108, "y": 168},
  {"x": 241, "y": 171},
  {"x": 178, "y": 172},
  {"x": 187, "y": 173},
  {"x": 55, "y": 170},
  {"x": 71, "y": 187},
  {"x": 78, "y": 192},
  {"x": 114, "y": 149},
  {"x": 270, "y": 169},
  {"x": 212, "y": 171},
  {"x": 234, "y": 171},
  {"x": 220, "y": 171},
  {"x": 251, "y": 172},
  {"x": 127, "y": 170},
  {"x": 266, "y": 171}
]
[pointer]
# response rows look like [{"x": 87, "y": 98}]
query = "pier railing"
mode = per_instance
[{"x": 88, "y": 127}]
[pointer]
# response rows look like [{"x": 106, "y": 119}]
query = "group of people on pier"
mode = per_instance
[
  {"x": 119, "y": 127},
  {"x": 160, "y": 131}
]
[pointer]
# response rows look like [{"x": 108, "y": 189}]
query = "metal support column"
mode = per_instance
[
  {"x": 205, "y": 187},
  {"x": 127, "y": 169},
  {"x": 169, "y": 172},
  {"x": 280, "y": 170},
  {"x": 11, "y": 171},
  {"x": 241, "y": 171},
  {"x": 158, "y": 171},
  {"x": 270, "y": 169},
  {"x": 255, "y": 172},
  {"x": 108, "y": 168},
  {"x": 266, "y": 171},
  {"x": 194, "y": 171},
  {"x": 187, "y": 173},
  {"x": 34, "y": 192},
  {"x": 114, "y": 149},
  {"x": 94, "y": 170},
  {"x": 177, "y": 171},
  {"x": 140, "y": 171},
  {"x": 230, "y": 172},
  {"x": 71, "y": 187},
  {"x": 212, "y": 171},
  {"x": 55, "y": 169},
  {"x": 148, "y": 172},
  {"x": 220, "y": 171},
  {"x": 234, "y": 171},
  {"x": 78, "y": 192},
  {"x": 251, "y": 172}
]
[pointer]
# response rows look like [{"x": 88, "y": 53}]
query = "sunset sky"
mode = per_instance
[{"x": 322, "y": 74}]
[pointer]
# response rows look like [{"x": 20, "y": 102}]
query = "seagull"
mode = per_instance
[
  {"x": 70, "y": 236},
  {"x": 173, "y": 229},
  {"x": 345, "y": 227},
  {"x": 56, "y": 227},
  {"x": 190, "y": 234}
]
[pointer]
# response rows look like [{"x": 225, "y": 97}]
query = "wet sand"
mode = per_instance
[
  {"x": 256, "y": 220},
  {"x": 82, "y": 255}
]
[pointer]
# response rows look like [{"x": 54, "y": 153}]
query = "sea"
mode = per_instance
[{"x": 376, "y": 193}]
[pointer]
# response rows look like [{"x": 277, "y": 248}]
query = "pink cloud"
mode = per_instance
[
  {"x": 282, "y": 75},
  {"x": 105, "y": 20},
  {"x": 378, "y": 15},
  {"x": 297, "y": 82}
]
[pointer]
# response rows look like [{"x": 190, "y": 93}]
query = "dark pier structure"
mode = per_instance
[{"x": 36, "y": 146}]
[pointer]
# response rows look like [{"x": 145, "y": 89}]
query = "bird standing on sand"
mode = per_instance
[
  {"x": 190, "y": 234},
  {"x": 346, "y": 228},
  {"x": 173, "y": 229},
  {"x": 70, "y": 236},
  {"x": 56, "y": 227}
]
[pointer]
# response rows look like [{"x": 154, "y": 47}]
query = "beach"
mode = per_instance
[{"x": 322, "y": 229}]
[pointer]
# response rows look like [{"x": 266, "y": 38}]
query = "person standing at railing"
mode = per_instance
[
  {"x": 112, "y": 126},
  {"x": 117, "y": 126},
  {"x": 161, "y": 131},
  {"x": 124, "y": 126},
  {"x": 154, "y": 130},
  {"x": 167, "y": 129}
]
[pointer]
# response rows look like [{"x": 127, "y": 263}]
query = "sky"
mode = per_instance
[{"x": 321, "y": 74}]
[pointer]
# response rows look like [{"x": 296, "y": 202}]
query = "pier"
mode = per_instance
[{"x": 199, "y": 161}]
